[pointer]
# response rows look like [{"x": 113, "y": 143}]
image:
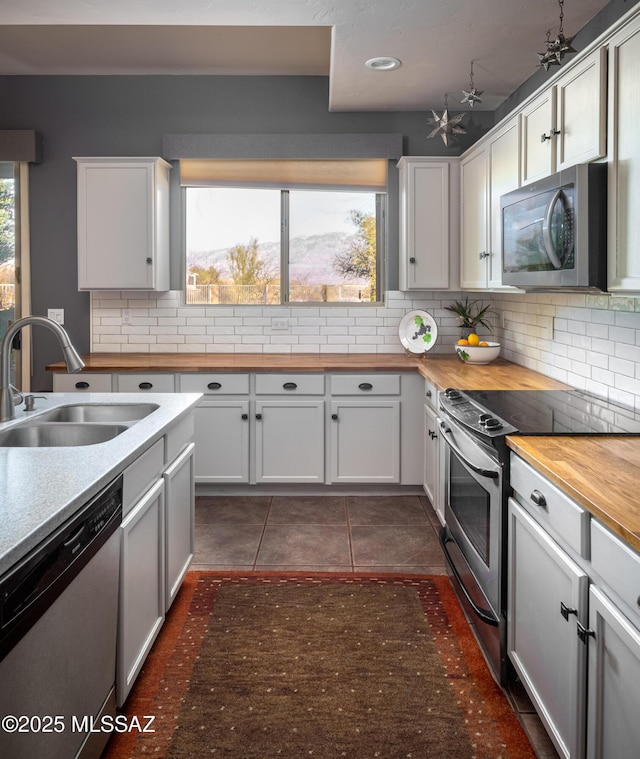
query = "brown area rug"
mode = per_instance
[{"x": 324, "y": 666}]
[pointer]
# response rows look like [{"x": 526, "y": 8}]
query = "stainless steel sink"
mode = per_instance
[
  {"x": 47, "y": 435},
  {"x": 84, "y": 413}
]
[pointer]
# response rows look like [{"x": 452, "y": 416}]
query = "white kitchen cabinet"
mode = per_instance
[
  {"x": 144, "y": 383},
  {"x": 431, "y": 458},
  {"x": 222, "y": 441},
  {"x": 365, "y": 440},
  {"x": 565, "y": 123},
  {"x": 425, "y": 217},
  {"x": 86, "y": 382},
  {"x": 624, "y": 160},
  {"x": 179, "y": 525},
  {"x": 289, "y": 440},
  {"x": 123, "y": 223},
  {"x": 473, "y": 220},
  {"x": 547, "y": 594},
  {"x": 142, "y": 586}
]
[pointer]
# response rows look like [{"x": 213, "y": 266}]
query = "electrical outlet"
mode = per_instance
[
  {"x": 57, "y": 314},
  {"x": 126, "y": 316},
  {"x": 279, "y": 324}
]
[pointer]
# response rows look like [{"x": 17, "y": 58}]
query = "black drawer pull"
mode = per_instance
[
  {"x": 214, "y": 385},
  {"x": 145, "y": 385},
  {"x": 365, "y": 386},
  {"x": 290, "y": 386},
  {"x": 82, "y": 385},
  {"x": 258, "y": 416},
  {"x": 245, "y": 416},
  {"x": 538, "y": 498},
  {"x": 334, "y": 416}
]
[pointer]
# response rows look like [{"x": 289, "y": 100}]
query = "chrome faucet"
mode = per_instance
[{"x": 72, "y": 359}]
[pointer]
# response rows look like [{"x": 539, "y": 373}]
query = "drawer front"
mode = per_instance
[
  {"x": 141, "y": 474},
  {"x": 84, "y": 382},
  {"x": 365, "y": 384},
  {"x": 290, "y": 384},
  {"x": 550, "y": 507},
  {"x": 150, "y": 383},
  {"x": 431, "y": 394},
  {"x": 214, "y": 384},
  {"x": 617, "y": 564},
  {"x": 179, "y": 435}
]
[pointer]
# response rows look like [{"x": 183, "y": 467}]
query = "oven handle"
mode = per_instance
[
  {"x": 485, "y": 614},
  {"x": 494, "y": 474}
]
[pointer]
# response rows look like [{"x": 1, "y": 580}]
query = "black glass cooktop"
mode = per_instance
[{"x": 557, "y": 412}]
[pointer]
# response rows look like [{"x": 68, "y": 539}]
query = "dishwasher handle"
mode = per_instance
[{"x": 446, "y": 436}]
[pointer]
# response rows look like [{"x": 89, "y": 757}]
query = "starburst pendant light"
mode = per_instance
[
  {"x": 558, "y": 48},
  {"x": 446, "y": 127},
  {"x": 472, "y": 95}
]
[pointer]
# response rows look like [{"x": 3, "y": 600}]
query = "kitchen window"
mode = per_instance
[{"x": 274, "y": 232}]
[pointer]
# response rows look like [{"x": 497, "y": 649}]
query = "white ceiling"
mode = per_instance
[{"x": 436, "y": 40}]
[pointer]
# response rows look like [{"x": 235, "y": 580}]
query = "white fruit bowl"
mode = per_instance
[{"x": 478, "y": 354}]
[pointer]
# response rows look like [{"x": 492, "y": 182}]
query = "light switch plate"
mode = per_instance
[{"x": 56, "y": 314}]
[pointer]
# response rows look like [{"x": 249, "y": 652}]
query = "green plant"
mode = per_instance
[{"x": 473, "y": 313}]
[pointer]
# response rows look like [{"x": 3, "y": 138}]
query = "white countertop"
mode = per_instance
[{"x": 40, "y": 488}]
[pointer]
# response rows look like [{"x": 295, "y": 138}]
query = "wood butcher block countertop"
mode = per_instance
[{"x": 600, "y": 473}]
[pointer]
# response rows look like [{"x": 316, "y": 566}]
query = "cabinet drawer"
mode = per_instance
[
  {"x": 179, "y": 435},
  {"x": 290, "y": 384},
  {"x": 365, "y": 384},
  {"x": 150, "y": 383},
  {"x": 431, "y": 394},
  {"x": 141, "y": 474},
  {"x": 617, "y": 564},
  {"x": 555, "y": 511},
  {"x": 81, "y": 383},
  {"x": 214, "y": 384}
]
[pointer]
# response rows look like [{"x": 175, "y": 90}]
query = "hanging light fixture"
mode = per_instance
[
  {"x": 446, "y": 127},
  {"x": 558, "y": 48},
  {"x": 472, "y": 95}
]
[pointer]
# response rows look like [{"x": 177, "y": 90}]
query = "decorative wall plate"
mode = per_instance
[{"x": 418, "y": 332}]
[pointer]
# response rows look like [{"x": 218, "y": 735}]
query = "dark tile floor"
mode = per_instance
[{"x": 333, "y": 534}]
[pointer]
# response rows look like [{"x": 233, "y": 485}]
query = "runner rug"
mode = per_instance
[{"x": 323, "y": 666}]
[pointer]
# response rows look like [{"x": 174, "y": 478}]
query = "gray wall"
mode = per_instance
[{"x": 128, "y": 115}]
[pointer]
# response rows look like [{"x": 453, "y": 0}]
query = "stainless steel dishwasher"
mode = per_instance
[{"x": 58, "y": 626}]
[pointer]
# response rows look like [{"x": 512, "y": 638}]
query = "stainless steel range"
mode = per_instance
[{"x": 474, "y": 425}]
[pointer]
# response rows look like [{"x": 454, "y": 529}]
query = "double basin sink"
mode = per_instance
[{"x": 77, "y": 424}]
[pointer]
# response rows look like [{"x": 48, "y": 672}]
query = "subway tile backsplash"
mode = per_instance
[{"x": 588, "y": 341}]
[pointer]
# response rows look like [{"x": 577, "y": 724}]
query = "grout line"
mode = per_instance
[
  {"x": 349, "y": 538},
  {"x": 264, "y": 528}
]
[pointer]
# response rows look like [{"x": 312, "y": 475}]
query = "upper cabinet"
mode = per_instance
[
  {"x": 123, "y": 223},
  {"x": 624, "y": 159},
  {"x": 473, "y": 214},
  {"x": 428, "y": 238},
  {"x": 566, "y": 123}
]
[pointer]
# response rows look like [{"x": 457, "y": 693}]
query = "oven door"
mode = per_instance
[{"x": 473, "y": 517}]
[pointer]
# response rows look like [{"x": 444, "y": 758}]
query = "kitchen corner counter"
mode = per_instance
[
  {"x": 444, "y": 370},
  {"x": 40, "y": 488},
  {"x": 599, "y": 473}
]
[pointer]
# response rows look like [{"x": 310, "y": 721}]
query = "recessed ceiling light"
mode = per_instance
[{"x": 383, "y": 64}]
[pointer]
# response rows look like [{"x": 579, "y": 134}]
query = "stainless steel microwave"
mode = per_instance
[{"x": 554, "y": 231}]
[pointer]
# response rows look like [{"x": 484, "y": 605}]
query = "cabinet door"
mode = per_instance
[
  {"x": 179, "y": 524},
  {"x": 504, "y": 176},
  {"x": 123, "y": 224},
  {"x": 424, "y": 224},
  {"x": 365, "y": 441},
  {"x": 222, "y": 441},
  {"x": 142, "y": 596},
  {"x": 473, "y": 229},
  {"x": 289, "y": 441},
  {"x": 431, "y": 462},
  {"x": 581, "y": 105},
  {"x": 624, "y": 159},
  {"x": 613, "y": 724},
  {"x": 538, "y": 137},
  {"x": 542, "y": 641}
]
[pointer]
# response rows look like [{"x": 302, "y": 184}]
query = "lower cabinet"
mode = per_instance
[
  {"x": 222, "y": 441},
  {"x": 365, "y": 440},
  {"x": 142, "y": 586},
  {"x": 289, "y": 444},
  {"x": 573, "y": 623}
]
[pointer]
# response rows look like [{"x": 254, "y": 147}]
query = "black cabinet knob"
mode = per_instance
[
  {"x": 145, "y": 385},
  {"x": 214, "y": 385},
  {"x": 258, "y": 416},
  {"x": 412, "y": 260},
  {"x": 334, "y": 416},
  {"x": 245, "y": 416}
]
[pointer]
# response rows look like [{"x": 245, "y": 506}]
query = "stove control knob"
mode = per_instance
[
  {"x": 484, "y": 418},
  {"x": 493, "y": 424},
  {"x": 452, "y": 394}
]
